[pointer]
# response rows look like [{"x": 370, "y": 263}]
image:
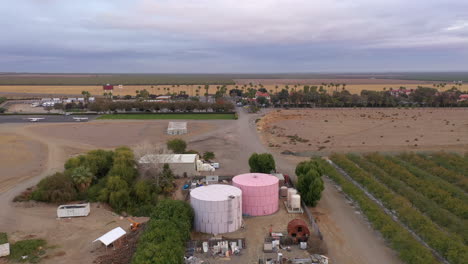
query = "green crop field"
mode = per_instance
[
  {"x": 426, "y": 191},
  {"x": 201, "y": 116}
]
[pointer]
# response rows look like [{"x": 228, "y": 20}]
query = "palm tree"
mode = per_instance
[
  {"x": 82, "y": 177},
  {"x": 86, "y": 95}
]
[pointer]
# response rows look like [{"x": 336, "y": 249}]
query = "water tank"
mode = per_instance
[
  {"x": 283, "y": 191},
  {"x": 295, "y": 201},
  {"x": 217, "y": 207},
  {"x": 259, "y": 193},
  {"x": 291, "y": 192}
]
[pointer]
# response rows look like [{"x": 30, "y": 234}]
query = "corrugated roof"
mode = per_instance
[
  {"x": 111, "y": 236},
  {"x": 255, "y": 179},
  {"x": 215, "y": 192},
  {"x": 169, "y": 158},
  {"x": 177, "y": 125}
]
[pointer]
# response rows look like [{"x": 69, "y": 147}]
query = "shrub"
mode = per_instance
[
  {"x": 262, "y": 163},
  {"x": 3, "y": 238},
  {"x": 177, "y": 145},
  {"x": 57, "y": 188},
  {"x": 208, "y": 155}
]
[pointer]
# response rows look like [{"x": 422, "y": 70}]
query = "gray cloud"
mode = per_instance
[{"x": 233, "y": 35}]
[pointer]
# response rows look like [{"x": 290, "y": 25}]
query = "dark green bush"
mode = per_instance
[{"x": 57, "y": 188}]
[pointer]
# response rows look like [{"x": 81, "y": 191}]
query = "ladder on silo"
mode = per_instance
[{"x": 229, "y": 214}]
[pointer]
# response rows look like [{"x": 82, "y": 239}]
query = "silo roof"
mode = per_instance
[
  {"x": 255, "y": 179},
  {"x": 215, "y": 192}
]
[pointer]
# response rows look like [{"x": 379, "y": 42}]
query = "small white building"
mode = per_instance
[
  {"x": 112, "y": 237},
  {"x": 177, "y": 128},
  {"x": 73, "y": 210},
  {"x": 180, "y": 164}
]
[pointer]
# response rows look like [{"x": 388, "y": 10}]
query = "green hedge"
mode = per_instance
[
  {"x": 450, "y": 161},
  {"x": 3, "y": 238},
  {"x": 408, "y": 248},
  {"x": 449, "y": 246},
  {"x": 433, "y": 168},
  {"x": 432, "y": 191},
  {"x": 164, "y": 237},
  {"x": 440, "y": 216}
]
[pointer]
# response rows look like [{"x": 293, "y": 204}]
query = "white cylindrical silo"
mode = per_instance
[
  {"x": 291, "y": 192},
  {"x": 217, "y": 207},
  {"x": 295, "y": 201}
]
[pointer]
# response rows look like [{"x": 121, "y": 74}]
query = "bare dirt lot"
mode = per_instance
[{"x": 322, "y": 131}]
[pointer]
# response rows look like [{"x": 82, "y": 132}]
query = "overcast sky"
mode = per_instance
[{"x": 192, "y": 36}]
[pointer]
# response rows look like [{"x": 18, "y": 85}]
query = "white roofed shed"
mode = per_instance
[
  {"x": 111, "y": 236},
  {"x": 177, "y": 128}
]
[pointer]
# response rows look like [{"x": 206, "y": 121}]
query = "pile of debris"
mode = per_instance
[
  {"x": 215, "y": 248},
  {"x": 124, "y": 254}
]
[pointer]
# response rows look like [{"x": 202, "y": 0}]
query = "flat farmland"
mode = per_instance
[
  {"x": 326, "y": 130},
  {"x": 193, "y": 90}
]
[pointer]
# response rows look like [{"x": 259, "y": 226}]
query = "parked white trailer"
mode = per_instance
[
  {"x": 4, "y": 250},
  {"x": 73, "y": 210}
]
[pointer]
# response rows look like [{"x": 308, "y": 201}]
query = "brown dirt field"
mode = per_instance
[
  {"x": 20, "y": 157},
  {"x": 352, "y": 85},
  {"x": 367, "y": 130}
]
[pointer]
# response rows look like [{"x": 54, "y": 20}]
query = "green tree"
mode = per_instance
[
  {"x": 262, "y": 163},
  {"x": 310, "y": 183},
  {"x": 86, "y": 95},
  {"x": 82, "y": 177},
  {"x": 208, "y": 155},
  {"x": 177, "y": 145}
]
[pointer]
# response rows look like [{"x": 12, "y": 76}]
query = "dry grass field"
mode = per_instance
[
  {"x": 272, "y": 85},
  {"x": 322, "y": 131}
]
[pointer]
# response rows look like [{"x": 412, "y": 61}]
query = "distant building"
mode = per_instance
[
  {"x": 108, "y": 87},
  {"x": 164, "y": 98},
  {"x": 260, "y": 94},
  {"x": 463, "y": 97}
]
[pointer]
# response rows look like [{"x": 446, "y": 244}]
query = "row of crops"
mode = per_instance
[{"x": 427, "y": 192}]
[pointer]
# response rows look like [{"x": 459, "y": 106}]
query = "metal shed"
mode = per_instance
[
  {"x": 177, "y": 128},
  {"x": 73, "y": 210},
  {"x": 112, "y": 237},
  {"x": 179, "y": 163}
]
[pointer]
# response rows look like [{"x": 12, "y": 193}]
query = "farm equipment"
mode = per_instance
[{"x": 134, "y": 226}]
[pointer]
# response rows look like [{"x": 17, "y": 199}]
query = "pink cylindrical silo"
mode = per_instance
[
  {"x": 217, "y": 207},
  {"x": 259, "y": 193}
]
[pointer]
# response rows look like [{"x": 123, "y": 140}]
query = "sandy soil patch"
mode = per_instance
[
  {"x": 20, "y": 158},
  {"x": 108, "y": 134},
  {"x": 321, "y": 131}
]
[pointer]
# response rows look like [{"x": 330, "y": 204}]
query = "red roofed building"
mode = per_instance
[
  {"x": 108, "y": 87},
  {"x": 260, "y": 94},
  {"x": 463, "y": 97}
]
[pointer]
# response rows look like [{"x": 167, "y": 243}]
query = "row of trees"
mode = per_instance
[
  {"x": 433, "y": 191},
  {"x": 433, "y": 168},
  {"x": 449, "y": 246},
  {"x": 401, "y": 240},
  {"x": 165, "y": 234},
  {"x": 438, "y": 215},
  {"x": 310, "y": 182},
  {"x": 178, "y": 106},
  {"x": 311, "y": 96}
]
